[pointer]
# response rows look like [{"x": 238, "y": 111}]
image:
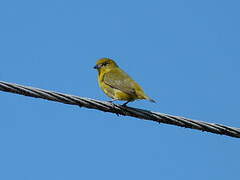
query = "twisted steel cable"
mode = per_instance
[{"x": 119, "y": 109}]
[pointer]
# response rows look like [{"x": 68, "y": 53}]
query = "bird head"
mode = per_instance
[{"x": 104, "y": 64}]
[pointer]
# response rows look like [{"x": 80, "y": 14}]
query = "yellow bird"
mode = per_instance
[{"x": 117, "y": 84}]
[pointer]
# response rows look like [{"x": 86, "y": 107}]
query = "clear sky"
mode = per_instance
[{"x": 184, "y": 53}]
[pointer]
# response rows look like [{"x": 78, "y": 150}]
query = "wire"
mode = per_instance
[{"x": 119, "y": 109}]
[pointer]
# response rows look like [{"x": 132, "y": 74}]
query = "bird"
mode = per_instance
[{"x": 117, "y": 84}]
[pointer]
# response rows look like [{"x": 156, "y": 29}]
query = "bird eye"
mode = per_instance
[{"x": 105, "y": 63}]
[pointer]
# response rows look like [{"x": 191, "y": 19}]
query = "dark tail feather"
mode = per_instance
[{"x": 152, "y": 100}]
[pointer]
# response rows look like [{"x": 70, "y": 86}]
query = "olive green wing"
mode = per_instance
[{"x": 118, "y": 79}]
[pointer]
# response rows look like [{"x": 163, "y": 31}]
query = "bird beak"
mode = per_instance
[{"x": 96, "y": 67}]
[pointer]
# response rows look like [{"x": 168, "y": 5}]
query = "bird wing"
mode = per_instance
[{"x": 118, "y": 79}]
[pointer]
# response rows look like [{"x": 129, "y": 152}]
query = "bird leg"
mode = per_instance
[{"x": 125, "y": 104}]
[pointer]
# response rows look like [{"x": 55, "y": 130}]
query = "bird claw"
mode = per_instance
[{"x": 113, "y": 105}]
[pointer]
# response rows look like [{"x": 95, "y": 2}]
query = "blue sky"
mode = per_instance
[{"x": 184, "y": 53}]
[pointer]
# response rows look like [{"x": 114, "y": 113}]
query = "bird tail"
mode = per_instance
[{"x": 150, "y": 99}]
